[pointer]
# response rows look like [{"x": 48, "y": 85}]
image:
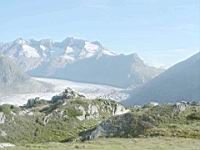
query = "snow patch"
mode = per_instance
[
  {"x": 86, "y": 54},
  {"x": 69, "y": 50},
  {"x": 29, "y": 51},
  {"x": 107, "y": 52},
  {"x": 68, "y": 58},
  {"x": 90, "y": 47},
  {"x": 43, "y": 47}
]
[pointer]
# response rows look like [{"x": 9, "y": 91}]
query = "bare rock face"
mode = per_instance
[
  {"x": 2, "y": 118},
  {"x": 94, "y": 111}
]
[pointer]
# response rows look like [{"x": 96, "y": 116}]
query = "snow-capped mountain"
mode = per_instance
[
  {"x": 31, "y": 53},
  {"x": 79, "y": 60}
]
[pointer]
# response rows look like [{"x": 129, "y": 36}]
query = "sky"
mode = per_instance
[{"x": 162, "y": 32}]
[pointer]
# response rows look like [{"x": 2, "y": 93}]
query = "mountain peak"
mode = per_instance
[{"x": 20, "y": 41}]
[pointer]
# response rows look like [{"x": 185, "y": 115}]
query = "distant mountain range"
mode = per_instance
[
  {"x": 180, "y": 82},
  {"x": 79, "y": 60}
]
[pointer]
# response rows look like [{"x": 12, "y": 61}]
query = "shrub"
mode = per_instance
[
  {"x": 72, "y": 112},
  {"x": 6, "y": 109},
  {"x": 194, "y": 116}
]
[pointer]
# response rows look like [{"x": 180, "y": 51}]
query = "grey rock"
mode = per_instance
[
  {"x": 180, "y": 106},
  {"x": 115, "y": 126},
  {"x": 67, "y": 94},
  {"x": 2, "y": 118}
]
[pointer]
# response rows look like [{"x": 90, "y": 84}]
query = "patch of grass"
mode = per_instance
[
  {"x": 6, "y": 109},
  {"x": 72, "y": 112},
  {"x": 119, "y": 144}
]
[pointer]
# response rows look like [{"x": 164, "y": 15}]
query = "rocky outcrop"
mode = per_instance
[
  {"x": 4, "y": 145},
  {"x": 94, "y": 111},
  {"x": 67, "y": 94},
  {"x": 180, "y": 106},
  {"x": 118, "y": 126},
  {"x": 2, "y": 118}
]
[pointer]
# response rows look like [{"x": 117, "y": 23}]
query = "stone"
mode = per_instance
[
  {"x": 4, "y": 145},
  {"x": 3, "y": 133},
  {"x": 2, "y": 118}
]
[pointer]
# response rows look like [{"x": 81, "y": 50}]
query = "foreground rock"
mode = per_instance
[
  {"x": 118, "y": 126},
  {"x": 4, "y": 145}
]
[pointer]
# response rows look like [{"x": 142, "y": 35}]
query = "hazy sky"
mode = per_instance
[{"x": 162, "y": 32}]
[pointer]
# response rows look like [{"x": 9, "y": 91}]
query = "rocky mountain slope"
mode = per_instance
[
  {"x": 10, "y": 73},
  {"x": 14, "y": 80},
  {"x": 79, "y": 60},
  {"x": 180, "y": 82}
]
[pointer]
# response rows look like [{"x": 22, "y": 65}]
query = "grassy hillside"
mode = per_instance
[
  {"x": 179, "y": 120},
  {"x": 71, "y": 117},
  {"x": 59, "y": 120}
]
